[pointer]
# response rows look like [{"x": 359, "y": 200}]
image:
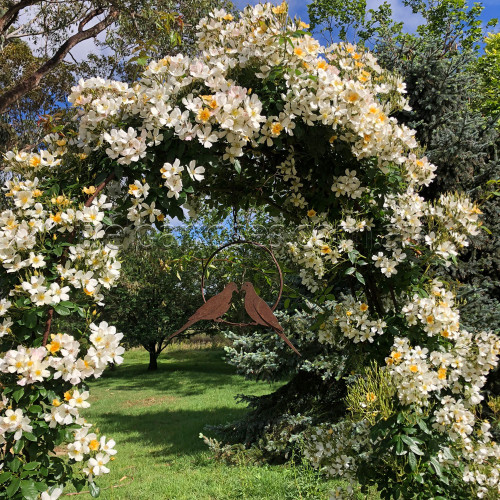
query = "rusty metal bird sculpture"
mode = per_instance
[
  {"x": 212, "y": 309},
  {"x": 261, "y": 313}
]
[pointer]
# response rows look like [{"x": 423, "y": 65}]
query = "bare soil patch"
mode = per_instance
[{"x": 146, "y": 402}]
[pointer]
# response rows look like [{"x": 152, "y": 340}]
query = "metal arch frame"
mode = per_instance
[{"x": 242, "y": 242}]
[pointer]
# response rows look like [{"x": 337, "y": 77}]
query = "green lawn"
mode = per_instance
[{"x": 155, "y": 419}]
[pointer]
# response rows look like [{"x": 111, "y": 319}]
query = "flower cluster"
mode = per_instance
[
  {"x": 14, "y": 421},
  {"x": 338, "y": 450},
  {"x": 352, "y": 318},
  {"x": 37, "y": 215},
  {"x": 341, "y": 87},
  {"x": 125, "y": 146},
  {"x": 61, "y": 358},
  {"x": 461, "y": 368},
  {"x": 96, "y": 452},
  {"x": 436, "y": 314}
]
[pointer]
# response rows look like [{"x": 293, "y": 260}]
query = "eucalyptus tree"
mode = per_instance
[{"x": 41, "y": 44}]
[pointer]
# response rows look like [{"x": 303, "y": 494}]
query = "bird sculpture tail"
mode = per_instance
[
  {"x": 185, "y": 327},
  {"x": 284, "y": 337}
]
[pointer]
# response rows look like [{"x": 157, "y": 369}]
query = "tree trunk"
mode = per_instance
[
  {"x": 32, "y": 81},
  {"x": 153, "y": 361}
]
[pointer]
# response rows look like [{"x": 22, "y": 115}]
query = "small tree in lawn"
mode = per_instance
[{"x": 152, "y": 299}]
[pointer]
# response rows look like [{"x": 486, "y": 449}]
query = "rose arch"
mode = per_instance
[{"x": 269, "y": 116}]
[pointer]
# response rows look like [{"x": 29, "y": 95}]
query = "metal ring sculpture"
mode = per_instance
[{"x": 242, "y": 242}]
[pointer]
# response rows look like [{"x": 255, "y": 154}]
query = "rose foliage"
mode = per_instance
[{"x": 264, "y": 115}]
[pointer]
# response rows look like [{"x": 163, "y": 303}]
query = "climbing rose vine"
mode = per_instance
[{"x": 264, "y": 114}]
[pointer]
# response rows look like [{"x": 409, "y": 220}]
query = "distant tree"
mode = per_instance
[
  {"x": 50, "y": 24},
  {"x": 159, "y": 287},
  {"x": 21, "y": 120},
  {"x": 154, "y": 297},
  {"x": 36, "y": 76},
  {"x": 488, "y": 68}
]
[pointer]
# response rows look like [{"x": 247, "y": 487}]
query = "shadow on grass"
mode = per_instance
[
  {"x": 170, "y": 432},
  {"x": 180, "y": 373},
  {"x": 193, "y": 375}
]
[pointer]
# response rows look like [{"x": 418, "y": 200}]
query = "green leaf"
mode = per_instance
[
  {"x": 410, "y": 431},
  {"x": 419, "y": 478},
  {"x": 30, "y": 437},
  {"x": 30, "y": 318},
  {"x": 360, "y": 278},
  {"x": 416, "y": 450},
  {"x": 18, "y": 446},
  {"x": 15, "y": 464},
  {"x": 13, "y": 487},
  {"x": 286, "y": 305},
  {"x": 237, "y": 166},
  {"x": 399, "y": 446},
  {"x": 29, "y": 490},
  {"x": 94, "y": 490},
  {"x": 62, "y": 310},
  {"x": 421, "y": 423},
  {"x": 4, "y": 476},
  {"x": 447, "y": 453},
  {"x": 31, "y": 465},
  {"x": 436, "y": 465},
  {"x": 351, "y": 270},
  {"x": 17, "y": 395},
  {"x": 35, "y": 409},
  {"x": 408, "y": 440},
  {"x": 353, "y": 256},
  {"x": 412, "y": 444},
  {"x": 412, "y": 461}
]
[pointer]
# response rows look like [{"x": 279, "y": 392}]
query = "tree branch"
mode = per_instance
[
  {"x": 32, "y": 81},
  {"x": 99, "y": 188},
  {"x": 89, "y": 17},
  {"x": 18, "y": 32},
  {"x": 9, "y": 17}
]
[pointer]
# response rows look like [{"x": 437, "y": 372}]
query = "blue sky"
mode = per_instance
[
  {"x": 400, "y": 12},
  {"x": 299, "y": 8}
]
